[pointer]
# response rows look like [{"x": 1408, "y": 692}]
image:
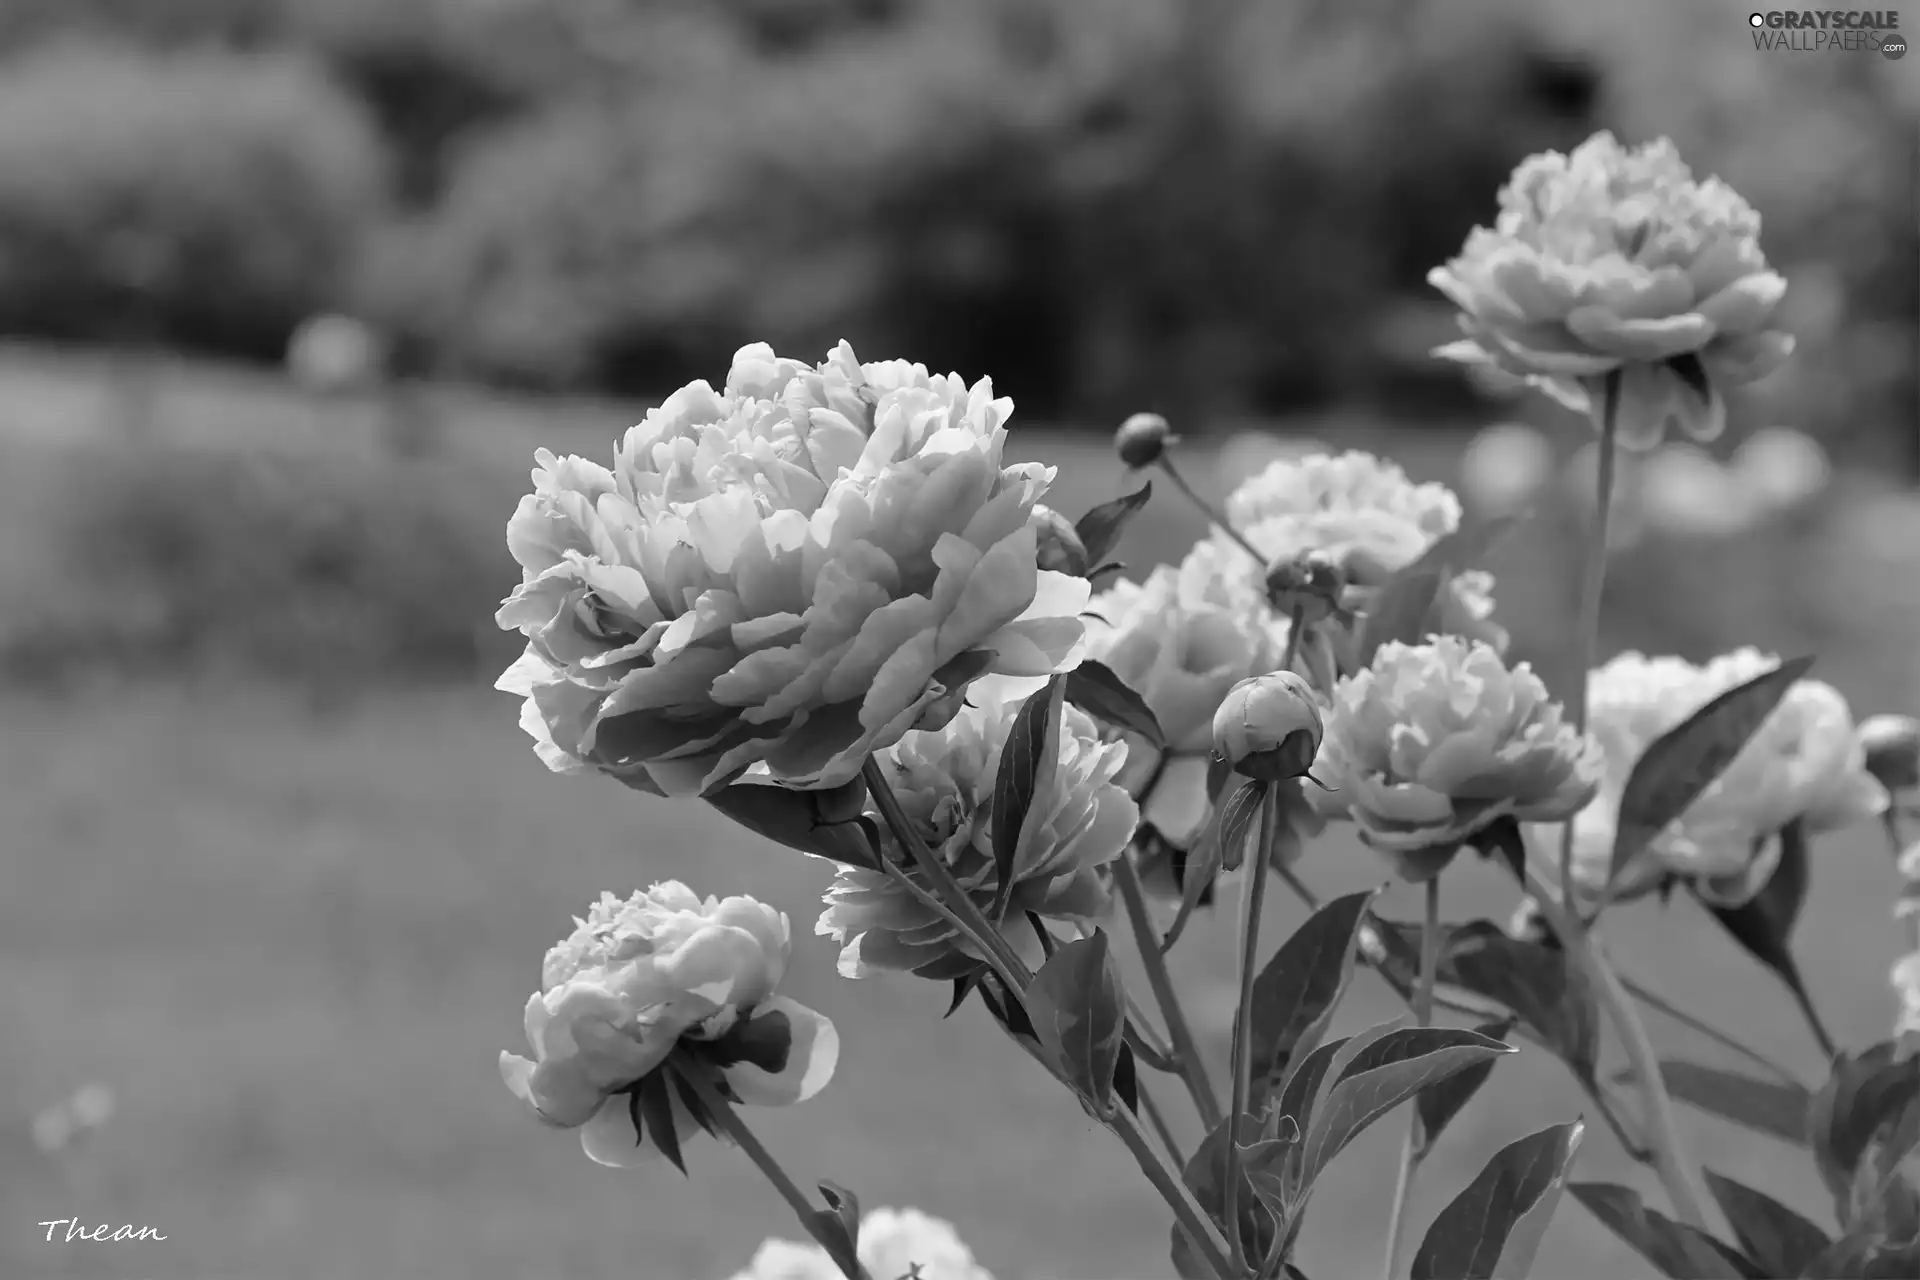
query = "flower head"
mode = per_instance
[
  {"x": 659, "y": 971},
  {"x": 1906, "y": 981},
  {"x": 1269, "y": 727},
  {"x": 894, "y": 1244},
  {"x": 945, "y": 782},
  {"x": 1141, "y": 439},
  {"x": 1805, "y": 763},
  {"x": 1435, "y": 742},
  {"x": 1892, "y": 749},
  {"x": 788, "y": 570},
  {"x": 1616, "y": 259},
  {"x": 1181, "y": 639}
]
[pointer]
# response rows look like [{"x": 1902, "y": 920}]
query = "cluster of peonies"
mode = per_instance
[
  {"x": 658, "y": 975},
  {"x": 895, "y": 1244},
  {"x": 1805, "y": 764}
]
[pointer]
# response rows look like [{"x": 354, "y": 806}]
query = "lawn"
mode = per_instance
[{"x": 294, "y": 945}]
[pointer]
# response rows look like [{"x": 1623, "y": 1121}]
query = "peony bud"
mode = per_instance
[
  {"x": 1892, "y": 744},
  {"x": 1269, "y": 727},
  {"x": 1141, "y": 439},
  {"x": 1061, "y": 550},
  {"x": 1311, "y": 585}
]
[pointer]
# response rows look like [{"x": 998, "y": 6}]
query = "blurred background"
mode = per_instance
[{"x": 290, "y": 290}]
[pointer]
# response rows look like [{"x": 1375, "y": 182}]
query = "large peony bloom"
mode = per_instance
[
  {"x": 640, "y": 978},
  {"x": 1181, "y": 639},
  {"x": 1435, "y": 742},
  {"x": 1612, "y": 259},
  {"x": 895, "y": 1244},
  {"x": 1806, "y": 762},
  {"x": 1364, "y": 514},
  {"x": 945, "y": 780},
  {"x": 788, "y": 570}
]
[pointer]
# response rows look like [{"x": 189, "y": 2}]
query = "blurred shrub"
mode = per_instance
[
  {"x": 315, "y": 568},
  {"x": 200, "y": 199}
]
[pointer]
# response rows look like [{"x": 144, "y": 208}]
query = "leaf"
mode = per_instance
[
  {"x": 1491, "y": 1230},
  {"x": 1676, "y": 1249},
  {"x": 1101, "y": 527},
  {"x": 1027, "y": 762},
  {"x": 1095, "y": 689},
  {"x": 652, "y": 1103},
  {"x": 1683, "y": 762},
  {"x": 1440, "y": 1103},
  {"x": 1380, "y": 1077},
  {"x": 1765, "y": 1106},
  {"x": 1126, "y": 1077},
  {"x": 1202, "y": 865},
  {"x": 1294, "y": 996},
  {"x": 1203, "y": 1176},
  {"x": 1078, "y": 1012},
  {"x": 1402, "y": 611},
  {"x": 1865, "y": 1092},
  {"x": 1544, "y": 990},
  {"x": 1238, "y": 813},
  {"x": 1465, "y": 548},
  {"x": 837, "y": 1227},
  {"x": 828, "y": 824},
  {"x": 1779, "y": 1241},
  {"x": 1764, "y": 924}
]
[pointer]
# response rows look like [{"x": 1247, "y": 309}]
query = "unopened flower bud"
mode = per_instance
[
  {"x": 1892, "y": 744},
  {"x": 1269, "y": 727},
  {"x": 1310, "y": 585},
  {"x": 1141, "y": 439},
  {"x": 1060, "y": 547}
]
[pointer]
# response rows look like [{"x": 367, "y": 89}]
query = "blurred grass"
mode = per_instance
[{"x": 295, "y": 943}]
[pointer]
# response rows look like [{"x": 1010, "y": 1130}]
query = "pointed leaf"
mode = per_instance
[
  {"x": 1491, "y": 1230},
  {"x": 1026, "y": 768},
  {"x": 1765, "y": 1106},
  {"x": 1078, "y": 1008},
  {"x": 1238, "y": 815},
  {"x": 1683, "y": 762},
  {"x": 1295, "y": 995},
  {"x": 1440, "y": 1103},
  {"x": 1095, "y": 689},
  {"x": 1764, "y": 924},
  {"x": 1126, "y": 1077},
  {"x": 1676, "y": 1249},
  {"x": 1203, "y": 1175},
  {"x": 1865, "y": 1092},
  {"x": 1202, "y": 864},
  {"x": 1402, "y": 611},
  {"x": 837, "y": 1227},
  {"x": 654, "y": 1104},
  {"x": 1384, "y": 1074},
  {"x": 1539, "y": 984},
  {"x": 962, "y": 988},
  {"x": 1101, "y": 527},
  {"x": 1779, "y": 1241},
  {"x": 1465, "y": 548},
  {"x": 828, "y": 824}
]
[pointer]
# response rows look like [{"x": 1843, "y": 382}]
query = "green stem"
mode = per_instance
[
  {"x": 1200, "y": 1232},
  {"x": 743, "y": 1137},
  {"x": 1158, "y": 1119},
  {"x": 1254, "y": 898},
  {"x": 1186, "y": 1053},
  {"x": 1593, "y": 579},
  {"x": 1660, "y": 1004},
  {"x": 1414, "y": 1147},
  {"x": 1295, "y": 624},
  {"x": 1663, "y": 1132},
  {"x": 962, "y": 911},
  {"x": 1206, "y": 509}
]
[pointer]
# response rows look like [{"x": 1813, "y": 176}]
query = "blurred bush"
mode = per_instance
[{"x": 203, "y": 199}]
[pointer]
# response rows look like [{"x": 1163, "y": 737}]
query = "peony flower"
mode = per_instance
[
  {"x": 1615, "y": 260},
  {"x": 640, "y": 978},
  {"x": 1435, "y": 742},
  {"x": 788, "y": 570},
  {"x": 1805, "y": 763},
  {"x": 945, "y": 782},
  {"x": 893, "y": 1243},
  {"x": 1181, "y": 639},
  {"x": 1363, "y": 513},
  {"x": 1906, "y": 981}
]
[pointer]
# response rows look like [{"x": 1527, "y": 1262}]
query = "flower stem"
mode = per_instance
[
  {"x": 1593, "y": 579},
  {"x": 1254, "y": 898},
  {"x": 1295, "y": 624},
  {"x": 1662, "y": 1132},
  {"x": 1193, "y": 1071},
  {"x": 1415, "y": 1146},
  {"x": 963, "y": 911},
  {"x": 743, "y": 1137},
  {"x": 1158, "y": 1119},
  {"x": 1206, "y": 509},
  {"x": 1202, "y": 1234}
]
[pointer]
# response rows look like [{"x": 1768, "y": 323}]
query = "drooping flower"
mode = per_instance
[
  {"x": 1616, "y": 259},
  {"x": 1806, "y": 763},
  {"x": 788, "y": 570},
  {"x": 1181, "y": 639},
  {"x": 895, "y": 1244},
  {"x": 1435, "y": 742},
  {"x": 640, "y": 978},
  {"x": 945, "y": 784}
]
